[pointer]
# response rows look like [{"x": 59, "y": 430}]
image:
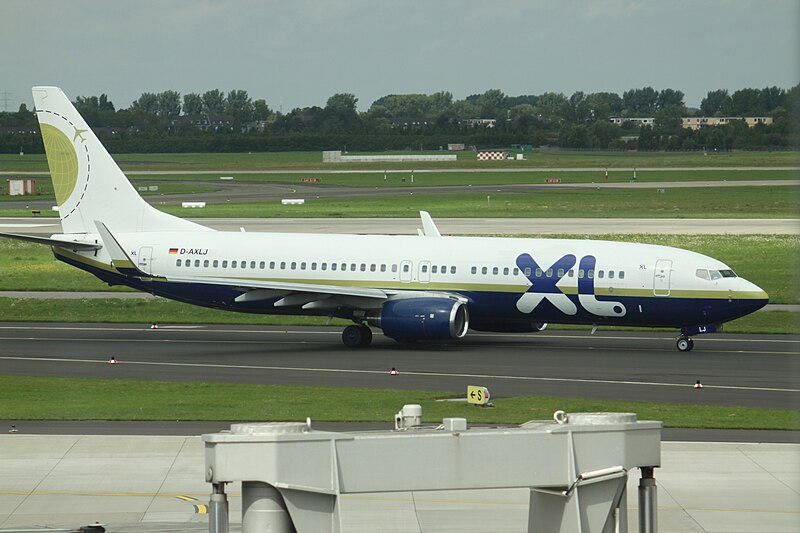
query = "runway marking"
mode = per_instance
[
  {"x": 407, "y": 373},
  {"x": 336, "y": 332}
]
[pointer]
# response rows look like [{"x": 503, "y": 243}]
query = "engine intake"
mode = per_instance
[{"x": 411, "y": 319}]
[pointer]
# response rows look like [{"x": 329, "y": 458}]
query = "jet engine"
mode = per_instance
[{"x": 412, "y": 319}]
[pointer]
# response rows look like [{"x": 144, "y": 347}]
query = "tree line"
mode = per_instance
[{"x": 234, "y": 122}]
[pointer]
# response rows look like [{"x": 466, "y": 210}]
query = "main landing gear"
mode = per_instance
[
  {"x": 357, "y": 336},
  {"x": 684, "y": 344}
]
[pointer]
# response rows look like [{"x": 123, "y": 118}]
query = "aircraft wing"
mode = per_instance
[{"x": 262, "y": 290}]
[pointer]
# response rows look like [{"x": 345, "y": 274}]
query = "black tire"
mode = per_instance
[
  {"x": 353, "y": 336},
  {"x": 366, "y": 335},
  {"x": 684, "y": 344}
]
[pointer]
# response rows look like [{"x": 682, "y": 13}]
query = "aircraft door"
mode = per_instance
[
  {"x": 661, "y": 277},
  {"x": 145, "y": 259},
  {"x": 424, "y": 271},
  {"x": 405, "y": 271}
]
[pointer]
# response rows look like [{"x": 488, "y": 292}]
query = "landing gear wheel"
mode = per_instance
[
  {"x": 356, "y": 336},
  {"x": 685, "y": 344}
]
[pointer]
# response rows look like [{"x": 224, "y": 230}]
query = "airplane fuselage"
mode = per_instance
[{"x": 507, "y": 283}]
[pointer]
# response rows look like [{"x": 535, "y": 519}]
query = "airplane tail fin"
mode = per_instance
[{"x": 88, "y": 184}]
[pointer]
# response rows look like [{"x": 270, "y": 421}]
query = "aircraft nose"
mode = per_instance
[{"x": 751, "y": 296}]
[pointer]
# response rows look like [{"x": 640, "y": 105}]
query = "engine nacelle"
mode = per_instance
[
  {"x": 508, "y": 326},
  {"x": 411, "y": 319}
]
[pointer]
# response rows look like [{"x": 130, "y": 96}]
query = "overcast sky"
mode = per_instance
[{"x": 296, "y": 53}]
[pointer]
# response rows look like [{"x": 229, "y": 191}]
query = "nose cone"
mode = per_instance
[{"x": 750, "y": 297}]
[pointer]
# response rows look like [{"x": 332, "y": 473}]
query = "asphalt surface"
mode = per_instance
[{"x": 736, "y": 370}]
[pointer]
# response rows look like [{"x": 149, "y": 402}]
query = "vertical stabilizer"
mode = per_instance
[{"x": 88, "y": 183}]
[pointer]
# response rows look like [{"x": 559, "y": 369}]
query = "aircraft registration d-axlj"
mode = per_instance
[{"x": 414, "y": 288}]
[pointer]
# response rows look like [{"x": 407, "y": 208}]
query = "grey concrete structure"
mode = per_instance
[{"x": 143, "y": 484}]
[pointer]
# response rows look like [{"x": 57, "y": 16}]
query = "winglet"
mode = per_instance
[{"x": 429, "y": 228}]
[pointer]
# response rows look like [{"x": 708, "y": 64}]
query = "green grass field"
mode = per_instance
[
  {"x": 673, "y": 202},
  {"x": 46, "y": 398},
  {"x": 538, "y": 159}
]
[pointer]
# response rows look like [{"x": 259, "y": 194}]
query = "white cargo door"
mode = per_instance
[
  {"x": 661, "y": 277},
  {"x": 145, "y": 259}
]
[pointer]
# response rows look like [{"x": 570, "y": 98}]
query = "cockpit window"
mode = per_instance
[{"x": 714, "y": 275}]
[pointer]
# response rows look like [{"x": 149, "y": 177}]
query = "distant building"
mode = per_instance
[
  {"x": 485, "y": 122},
  {"x": 641, "y": 121},
  {"x": 695, "y": 123}
]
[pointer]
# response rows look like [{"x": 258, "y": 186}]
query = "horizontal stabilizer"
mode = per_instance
[{"x": 49, "y": 241}]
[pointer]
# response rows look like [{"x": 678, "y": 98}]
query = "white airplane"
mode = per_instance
[{"x": 414, "y": 288}]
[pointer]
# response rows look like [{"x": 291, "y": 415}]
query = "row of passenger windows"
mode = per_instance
[
  {"x": 303, "y": 265},
  {"x": 383, "y": 267},
  {"x": 539, "y": 273}
]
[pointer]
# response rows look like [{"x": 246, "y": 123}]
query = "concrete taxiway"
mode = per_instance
[
  {"x": 156, "y": 483},
  {"x": 466, "y": 226}
]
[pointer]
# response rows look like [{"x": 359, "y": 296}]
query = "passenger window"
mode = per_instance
[
  {"x": 178, "y": 262},
  {"x": 549, "y": 273},
  {"x": 571, "y": 273},
  {"x": 225, "y": 264},
  {"x": 233, "y": 264},
  {"x": 313, "y": 266},
  {"x": 188, "y": 262},
  {"x": 495, "y": 271},
  {"x": 344, "y": 267},
  {"x": 621, "y": 274},
  {"x": 515, "y": 271},
  {"x": 590, "y": 273},
  {"x": 383, "y": 267},
  {"x": 538, "y": 272},
  {"x": 205, "y": 263},
  {"x": 303, "y": 265},
  {"x": 252, "y": 264},
  {"x": 610, "y": 274},
  {"x": 333, "y": 266},
  {"x": 352, "y": 267},
  {"x": 505, "y": 271},
  {"x": 283, "y": 265},
  {"x": 406, "y": 268},
  {"x": 243, "y": 264},
  {"x": 424, "y": 268},
  {"x": 272, "y": 265},
  {"x": 443, "y": 269},
  {"x": 294, "y": 265},
  {"x": 580, "y": 273},
  {"x": 262, "y": 265},
  {"x": 434, "y": 269},
  {"x": 394, "y": 268},
  {"x": 484, "y": 270},
  {"x": 372, "y": 267},
  {"x": 474, "y": 270},
  {"x": 324, "y": 266},
  {"x": 215, "y": 264},
  {"x": 452, "y": 270},
  {"x": 600, "y": 274},
  {"x": 527, "y": 272},
  {"x": 363, "y": 267},
  {"x": 197, "y": 262}
]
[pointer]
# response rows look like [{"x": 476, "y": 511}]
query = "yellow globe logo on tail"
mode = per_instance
[{"x": 63, "y": 162}]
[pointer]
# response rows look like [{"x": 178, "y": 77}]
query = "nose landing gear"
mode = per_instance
[{"x": 684, "y": 344}]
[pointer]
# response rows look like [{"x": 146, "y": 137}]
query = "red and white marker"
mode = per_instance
[
  {"x": 698, "y": 385},
  {"x": 393, "y": 371}
]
